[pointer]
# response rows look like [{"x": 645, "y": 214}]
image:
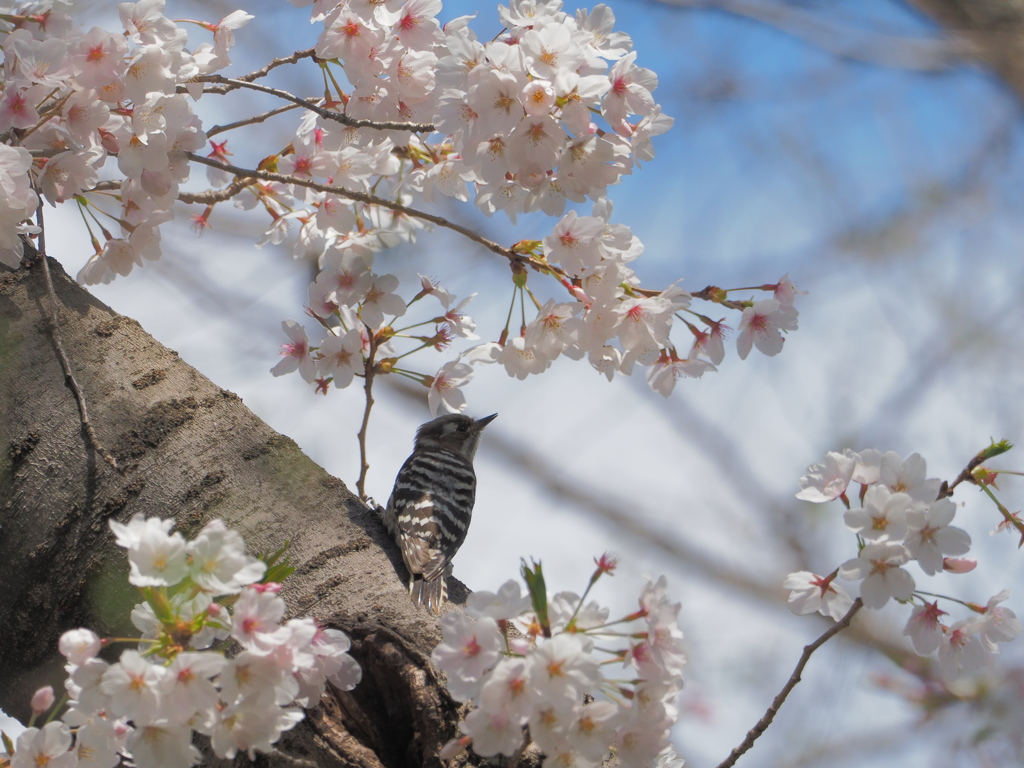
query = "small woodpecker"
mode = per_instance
[{"x": 431, "y": 504}]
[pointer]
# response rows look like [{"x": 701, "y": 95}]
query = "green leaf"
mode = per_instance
[
  {"x": 273, "y": 558},
  {"x": 994, "y": 449},
  {"x": 278, "y": 573},
  {"x": 538, "y": 594}
]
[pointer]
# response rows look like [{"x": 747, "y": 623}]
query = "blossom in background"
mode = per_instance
[{"x": 827, "y": 481}]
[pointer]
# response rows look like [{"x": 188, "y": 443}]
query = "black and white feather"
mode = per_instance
[{"x": 431, "y": 504}]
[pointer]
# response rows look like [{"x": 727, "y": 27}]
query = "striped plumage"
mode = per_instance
[{"x": 432, "y": 503}]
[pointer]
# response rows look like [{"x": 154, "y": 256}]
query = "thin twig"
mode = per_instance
[
  {"x": 215, "y": 195},
  {"x": 762, "y": 725},
  {"x": 250, "y": 120},
  {"x": 328, "y": 114},
  {"x": 65, "y": 363},
  {"x": 966, "y": 475},
  {"x": 369, "y": 371},
  {"x": 255, "y": 75}
]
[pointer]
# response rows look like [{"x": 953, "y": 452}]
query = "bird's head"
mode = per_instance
[{"x": 453, "y": 432}]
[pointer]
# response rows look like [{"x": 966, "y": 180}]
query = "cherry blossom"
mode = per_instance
[
  {"x": 79, "y": 645},
  {"x": 256, "y": 619},
  {"x": 296, "y": 355},
  {"x": 879, "y": 568},
  {"x": 133, "y": 685},
  {"x": 827, "y": 481},
  {"x": 219, "y": 564},
  {"x": 162, "y": 743},
  {"x": 341, "y": 357},
  {"x": 493, "y": 732},
  {"x": 930, "y": 536},
  {"x": 380, "y": 299},
  {"x": 156, "y": 556},
  {"x": 762, "y": 325},
  {"x": 445, "y": 388},
  {"x": 997, "y": 624},
  {"x": 960, "y": 650},
  {"x": 883, "y": 516},
  {"x": 810, "y": 593},
  {"x": 186, "y": 688},
  {"x": 908, "y": 476},
  {"x": 925, "y": 628},
  {"x": 468, "y": 649},
  {"x": 47, "y": 746}
]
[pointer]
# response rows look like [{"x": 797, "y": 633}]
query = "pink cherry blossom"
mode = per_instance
[
  {"x": 762, "y": 325},
  {"x": 296, "y": 354}
]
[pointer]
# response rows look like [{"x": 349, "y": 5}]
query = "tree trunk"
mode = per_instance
[{"x": 194, "y": 452}]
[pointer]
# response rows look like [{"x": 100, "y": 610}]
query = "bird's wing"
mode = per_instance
[{"x": 421, "y": 539}]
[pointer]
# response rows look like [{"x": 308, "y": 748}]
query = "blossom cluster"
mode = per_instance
[
  {"x": 613, "y": 327},
  {"x": 199, "y": 594},
  {"x": 553, "y": 676},
  {"x": 516, "y": 115},
  {"x": 552, "y": 111},
  {"x": 73, "y": 97},
  {"x": 902, "y": 517},
  {"x": 516, "y": 112}
]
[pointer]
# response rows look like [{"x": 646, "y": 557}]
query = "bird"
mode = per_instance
[{"x": 431, "y": 503}]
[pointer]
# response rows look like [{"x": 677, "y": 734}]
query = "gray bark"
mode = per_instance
[{"x": 191, "y": 451}]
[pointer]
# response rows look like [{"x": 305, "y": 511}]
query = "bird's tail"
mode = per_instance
[{"x": 431, "y": 593}]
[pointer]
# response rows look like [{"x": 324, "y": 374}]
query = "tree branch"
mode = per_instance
[
  {"x": 250, "y": 120},
  {"x": 365, "y": 197},
  {"x": 328, "y": 114},
  {"x": 899, "y": 52},
  {"x": 762, "y": 725},
  {"x": 65, "y": 363},
  {"x": 215, "y": 195},
  {"x": 369, "y": 372},
  {"x": 255, "y": 75}
]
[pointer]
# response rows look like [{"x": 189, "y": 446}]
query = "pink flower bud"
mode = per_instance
[
  {"x": 42, "y": 700},
  {"x": 958, "y": 564}
]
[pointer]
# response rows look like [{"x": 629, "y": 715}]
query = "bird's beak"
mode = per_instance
[{"x": 481, "y": 423}]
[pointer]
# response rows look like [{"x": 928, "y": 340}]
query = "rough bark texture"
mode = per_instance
[
  {"x": 194, "y": 452},
  {"x": 995, "y": 29}
]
